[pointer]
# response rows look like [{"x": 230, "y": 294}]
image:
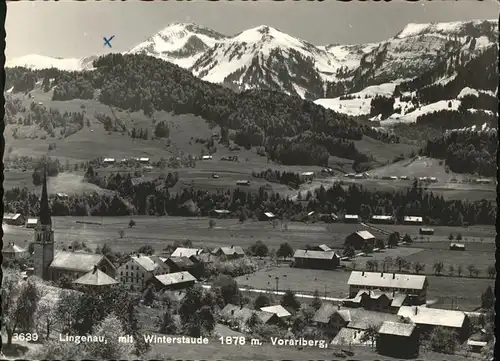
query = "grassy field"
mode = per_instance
[{"x": 160, "y": 231}]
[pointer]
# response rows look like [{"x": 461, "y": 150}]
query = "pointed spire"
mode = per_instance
[{"x": 44, "y": 216}]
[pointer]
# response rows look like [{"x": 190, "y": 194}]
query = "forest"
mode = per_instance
[
  {"x": 140, "y": 82},
  {"x": 154, "y": 198},
  {"x": 466, "y": 151}
]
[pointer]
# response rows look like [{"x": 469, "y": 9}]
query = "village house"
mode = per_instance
[
  {"x": 173, "y": 281},
  {"x": 323, "y": 248},
  {"x": 426, "y": 231},
  {"x": 328, "y": 218},
  {"x": 316, "y": 259},
  {"x": 31, "y": 222},
  {"x": 382, "y": 219},
  {"x": 62, "y": 196},
  {"x": 138, "y": 270},
  {"x": 415, "y": 286},
  {"x": 220, "y": 213},
  {"x": 179, "y": 264},
  {"x": 377, "y": 300},
  {"x": 109, "y": 160},
  {"x": 240, "y": 315},
  {"x": 428, "y": 318},
  {"x": 359, "y": 239},
  {"x": 232, "y": 252},
  {"x": 412, "y": 220},
  {"x": 307, "y": 176},
  {"x": 351, "y": 218},
  {"x": 267, "y": 216},
  {"x": 96, "y": 280},
  {"x": 397, "y": 339},
  {"x": 11, "y": 252},
  {"x": 279, "y": 311},
  {"x": 206, "y": 157},
  {"x": 457, "y": 247},
  {"x": 243, "y": 183},
  {"x": 186, "y": 252},
  {"x": 13, "y": 219},
  {"x": 144, "y": 160},
  {"x": 330, "y": 319}
]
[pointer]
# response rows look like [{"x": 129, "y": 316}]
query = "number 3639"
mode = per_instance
[{"x": 25, "y": 337}]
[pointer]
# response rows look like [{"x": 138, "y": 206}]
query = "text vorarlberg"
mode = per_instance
[{"x": 275, "y": 341}]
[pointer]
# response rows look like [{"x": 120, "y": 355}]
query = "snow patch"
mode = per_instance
[{"x": 426, "y": 109}]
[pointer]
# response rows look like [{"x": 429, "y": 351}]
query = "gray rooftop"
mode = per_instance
[
  {"x": 433, "y": 316},
  {"x": 278, "y": 310},
  {"x": 243, "y": 313},
  {"x": 301, "y": 253},
  {"x": 96, "y": 278},
  {"x": 186, "y": 252},
  {"x": 145, "y": 262},
  {"x": 175, "y": 278},
  {"x": 397, "y": 328},
  {"x": 76, "y": 261}
]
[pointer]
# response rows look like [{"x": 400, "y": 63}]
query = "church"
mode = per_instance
[{"x": 50, "y": 266}]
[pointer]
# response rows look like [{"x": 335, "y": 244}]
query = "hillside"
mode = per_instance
[
  {"x": 138, "y": 87},
  {"x": 267, "y": 58}
]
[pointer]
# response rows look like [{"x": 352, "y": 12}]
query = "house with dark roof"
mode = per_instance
[
  {"x": 11, "y": 252},
  {"x": 397, "y": 339},
  {"x": 179, "y": 264},
  {"x": 428, "y": 318},
  {"x": 233, "y": 314},
  {"x": 330, "y": 319},
  {"x": 173, "y": 281},
  {"x": 415, "y": 286},
  {"x": 359, "y": 238},
  {"x": 316, "y": 259},
  {"x": 231, "y": 252},
  {"x": 377, "y": 300}
]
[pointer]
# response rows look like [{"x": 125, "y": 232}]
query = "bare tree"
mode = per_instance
[
  {"x": 460, "y": 270},
  {"x": 451, "y": 270},
  {"x": 121, "y": 233}
]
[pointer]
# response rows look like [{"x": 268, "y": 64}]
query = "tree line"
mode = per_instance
[
  {"x": 472, "y": 152},
  {"x": 153, "y": 198},
  {"x": 288, "y": 178}
]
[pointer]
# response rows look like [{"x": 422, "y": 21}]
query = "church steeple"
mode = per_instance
[{"x": 44, "y": 216}]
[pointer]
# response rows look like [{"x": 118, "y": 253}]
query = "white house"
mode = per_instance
[{"x": 138, "y": 270}]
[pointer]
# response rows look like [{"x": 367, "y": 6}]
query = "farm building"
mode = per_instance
[
  {"x": 206, "y": 157},
  {"x": 484, "y": 181},
  {"x": 11, "y": 252},
  {"x": 96, "y": 279},
  {"x": 397, "y": 339},
  {"x": 393, "y": 177},
  {"x": 359, "y": 238},
  {"x": 433, "y": 179},
  {"x": 350, "y": 175},
  {"x": 109, "y": 160},
  {"x": 350, "y": 337},
  {"x": 414, "y": 286},
  {"x": 330, "y": 319},
  {"x": 382, "y": 219},
  {"x": 404, "y": 177},
  {"x": 377, "y": 300},
  {"x": 423, "y": 179},
  {"x": 31, "y": 222},
  {"x": 267, "y": 216},
  {"x": 14, "y": 219},
  {"x": 62, "y": 195},
  {"x": 77, "y": 264},
  {"x": 220, "y": 213},
  {"x": 457, "y": 247},
  {"x": 322, "y": 247},
  {"x": 307, "y": 176},
  {"x": 278, "y": 310},
  {"x": 316, "y": 259},
  {"x": 412, "y": 220},
  {"x": 201, "y": 258},
  {"x": 186, "y": 252},
  {"x": 351, "y": 218},
  {"x": 232, "y": 313},
  {"x": 477, "y": 341},
  {"x": 426, "y": 231},
  {"x": 174, "y": 281},
  {"x": 179, "y": 264},
  {"x": 232, "y": 252},
  {"x": 243, "y": 183},
  {"x": 328, "y": 218},
  {"x": 144, "y": 160},
  {"x": 428, "y": 318}
]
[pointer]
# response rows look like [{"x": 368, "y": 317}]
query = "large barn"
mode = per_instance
[
  {"x": 358, "y": 239},
  {"x": 316, "y": 259},
  {"x": 415, "y": 286}
]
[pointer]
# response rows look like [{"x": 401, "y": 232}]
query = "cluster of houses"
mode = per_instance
[{"x": 110, "y": 161}]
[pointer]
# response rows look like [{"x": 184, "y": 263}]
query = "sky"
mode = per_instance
[{"x": 76, "y": 29}]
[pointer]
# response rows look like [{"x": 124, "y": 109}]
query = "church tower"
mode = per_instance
[{"x": 44, "y": 236}]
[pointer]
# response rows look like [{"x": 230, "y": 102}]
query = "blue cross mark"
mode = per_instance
[{"x": 108, "y": 41}]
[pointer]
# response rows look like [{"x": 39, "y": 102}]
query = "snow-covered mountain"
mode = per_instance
[
  {"x": 179, "y": 43},
  {"x": 264, "y": 57},
  {"x": 37, "y": 62}
]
